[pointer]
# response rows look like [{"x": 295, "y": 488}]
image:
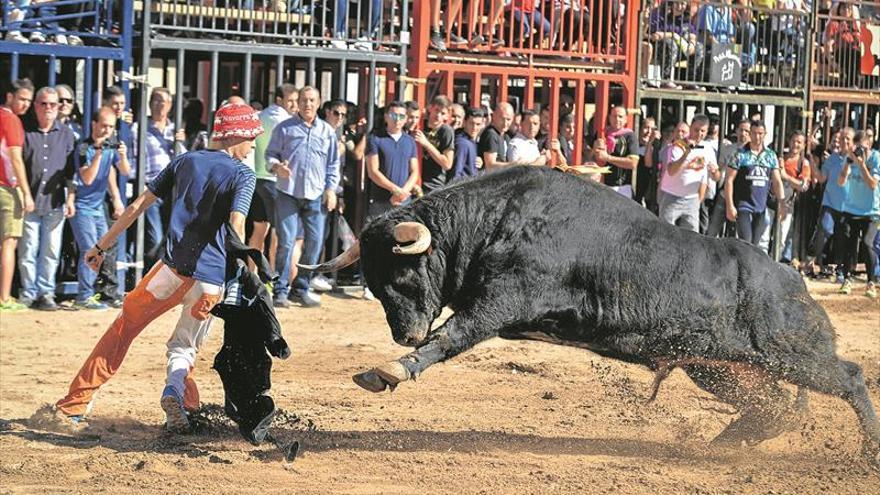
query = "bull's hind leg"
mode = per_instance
[
  {"x": 766, "y": 409},
  {"x": 844, "y": 379}
]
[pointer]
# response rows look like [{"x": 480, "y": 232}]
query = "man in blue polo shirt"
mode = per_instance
[
  {"x": 99, "y": 158},
  {"x": 860, "y": 213},
  {"x": 392, "y": 163},
  {"x": 750, "y": 175},
  {"x": 212, "y": 192},
  {"x": 464, "y": 163}
]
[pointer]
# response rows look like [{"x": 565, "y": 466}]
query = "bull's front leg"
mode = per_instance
[{"x": 459, "y": 333}]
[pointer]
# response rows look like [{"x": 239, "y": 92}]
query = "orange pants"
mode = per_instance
[{"x": 158, "y": 292}]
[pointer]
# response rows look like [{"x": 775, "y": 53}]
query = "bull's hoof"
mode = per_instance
[
  {"x": 392, "y": 373},
  {"x": 753, "y": 428},
  {"x": 369, "y": 380}
]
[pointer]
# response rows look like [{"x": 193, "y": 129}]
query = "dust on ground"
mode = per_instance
[{"x": 505, "y": 417}]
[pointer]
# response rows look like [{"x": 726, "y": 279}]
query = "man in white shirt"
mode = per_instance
[
  {"x": 685, "y": 177},
  {"x": 523, "y": 149}
]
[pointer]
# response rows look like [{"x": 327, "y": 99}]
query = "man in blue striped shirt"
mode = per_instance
[
  {"x": 304, "y": 155},
  {"x": 212, "y": 192}
]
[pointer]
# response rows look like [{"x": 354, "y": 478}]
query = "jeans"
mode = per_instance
[
  {"x": 154, "y": 233},
  {"x": 750, "y": 226},
  {"x": 828, "y": 218},
  {"x": 342, "y": 18},
  {"x": 39, "y": 252},
  {"x": 524, "y": 23},
  {"x": 681, "y": 212},
  {"x": 847, "y": 234},
  {"x": 291, "y": 212},
  {"x": 88, "y": 227}
]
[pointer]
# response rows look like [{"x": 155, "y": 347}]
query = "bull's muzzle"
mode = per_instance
[{"x": 414, "y": 336}]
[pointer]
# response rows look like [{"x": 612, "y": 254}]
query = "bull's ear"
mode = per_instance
[{"x": 414, "y": 232}]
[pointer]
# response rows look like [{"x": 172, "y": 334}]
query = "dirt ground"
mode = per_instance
[{"x": 506, "y": 417}]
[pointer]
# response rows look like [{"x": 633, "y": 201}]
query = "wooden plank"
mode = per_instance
[{"x": 182, "y": 10}]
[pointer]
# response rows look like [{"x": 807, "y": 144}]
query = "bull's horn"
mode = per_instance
[
  {"x": 350, "y": 255},
  {"x": 411, "y": 231}
]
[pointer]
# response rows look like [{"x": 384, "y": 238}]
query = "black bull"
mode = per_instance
[{"x": 536, "y": 254}]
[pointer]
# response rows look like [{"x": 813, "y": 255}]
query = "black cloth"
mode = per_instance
[
  {"x": 251, "y": 329},
  {"x": 493, "y": 141},
  {"x": 48, "y": 162},
  {"x": 433, "y": 175}
]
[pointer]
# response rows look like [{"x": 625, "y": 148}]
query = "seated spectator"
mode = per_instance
[
  {"x": 33, "y": 15},
  {"x": 372, "y": 34},
  {"x": 686, "y": 176},
  {"x": 572, "y": 24},
  {"x": 749, "y": 179},
  {"x": 528, "y": 17},
  {"x": 49, "y": 163},
  {"x": 674, "y": 38},
  {"x": 716, "y": 24},
  {"x": 476, "y": 38},
  {"x": 465, "y": 159},
  {"x": 98, "y": 158},
  {"x": 523, "y": 149},
  {"x": 842, "y": 40},
  {"x": 860, "y": 214}
]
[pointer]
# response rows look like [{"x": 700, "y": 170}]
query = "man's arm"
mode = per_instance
[
  {"x": 414, "y": 175},
  {"x": 728, "y": 193},
  {"x": 778, "y": 191},
  {"x": 115, "y": 197},
  {"x": 844, "y": 174},
  {"x": 89, "y": 172},
  {"x": 443, "y": 159},
  {"x": 21, "y": 177},
  {"x": 675, "y": 166},
  {"x": 237, "y": 220},
  {"x": 376, "y": 175},
  {"x": 95, "y": 255}
]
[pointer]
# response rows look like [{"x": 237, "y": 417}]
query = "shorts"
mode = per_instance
[
  {"x": 263, "y": 203},
  {"x": 11, "y": 213}
]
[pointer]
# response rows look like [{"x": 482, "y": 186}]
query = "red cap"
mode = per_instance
[{"x": 236, "y": 120}]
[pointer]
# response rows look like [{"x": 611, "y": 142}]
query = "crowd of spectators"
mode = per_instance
[{"x": 307, "y": 165}]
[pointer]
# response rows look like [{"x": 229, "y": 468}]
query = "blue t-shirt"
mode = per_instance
[
  {"x": 835, "y": 194},
  {"x": 752, "y": 183},
  {"x": 90, "y": 198},
  {"x": 207, "y": 186},
  {"x": 465, "y": 162},
  {"x": 860, "y": 199},
  {"x": 394, "y": 158}
]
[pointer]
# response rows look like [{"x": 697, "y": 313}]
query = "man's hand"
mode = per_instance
[
  {"x": 398, "y": 196},
  {"x": 122, "y": 150},
  {"x": 282, "y": 170},
  {"x": 69, "y": 209},
  {"x": 330, "y": 199},
  {"x": 731, "y": 214},
  {"x": 94, "y": 258},
  {"x": 180, "y": 135},
  {"x": 118, "y": 209},
  {"x": 420, "y": 137},
  {"x": 127, "y": 117},
  {"x": 28, "y": 203},
  {"x": 781, "y": 209}
]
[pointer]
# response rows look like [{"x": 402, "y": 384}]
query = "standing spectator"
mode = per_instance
[
  {"x": 262, "y": 210},
  {"x": 161, "y": 142},
  {"x": 686, "y": 176},
  {"x": 195, "y": 131},
  {"x": 67, "y": 113},
  {"x": 493, "y": 141},
  {"x": 413, "y": 117},
  {"x": 860, "y": 213},
  {"x": 49, "y": 161},
  {"x": 749, "y": 179},
  {"x": 15, "y": 192},
  {"x": 456, "y": 116},
  {"x": 646, "y": 174},
  {"x": 465, "y": 162},
  {"x": 832, "y": 201},
  {"x": 114, "y": 98},
  {"x": 303, "y": 153},
  {"x": 620, "y": 150},
  {"x": 567, "y": 138},
  {"x": 523, "y": 149},
  {"x": 192, "y": 272},
  {"x": 392, "y": 163},
  {"x": 796, "y": 177},
  {"x": 99, "y": 158},
  {"x": 726, "y": 156},
  {"x": 437, "y": 145}
]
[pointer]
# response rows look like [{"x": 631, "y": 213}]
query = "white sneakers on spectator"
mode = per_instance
[
  {"x": 320, "y": 283},
  {"x": 363, "y": 44},
  {"x": 368, "y": 295},
  {"x": 37, "y": 37},
  {"x": 16, "y": 36},
  {"x": 310, "y": 299},
  {"x": 338, "y": 44}
]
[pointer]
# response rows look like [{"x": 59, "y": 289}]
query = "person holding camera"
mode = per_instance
[
  {"x": 48, "y": 159},
  {"x": 99, "y": 157},
  {"x": 860, "y": 215}
]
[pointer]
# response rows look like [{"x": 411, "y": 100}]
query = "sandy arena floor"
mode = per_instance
[{"x": 506, "y": 417}]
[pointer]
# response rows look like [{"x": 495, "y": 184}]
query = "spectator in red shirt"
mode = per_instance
[
  {"x": 842, "y": 42},
  {"x": 15, "y": 192}
]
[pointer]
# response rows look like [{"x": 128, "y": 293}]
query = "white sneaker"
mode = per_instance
[
  {"x": 16, "y": 36},
  {"x": 60, "y": 39},
  {"x": 320, "y": 283},
  {"x": 310, "y": 299},
  {"x": 338, "y": 44},
  {"x": 363, "y": 44},
  {"x": 37, "y": 37},
  {"x": 368, "y": 295},
  {"x": 74, "y": 40}
]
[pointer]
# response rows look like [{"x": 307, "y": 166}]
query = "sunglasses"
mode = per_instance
[
  {"x": 69, "y": 101},
  {"x": 398, "y": 116},
  {"x": 339, "y": 114},
  {"x": 50, "y": 104}
]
